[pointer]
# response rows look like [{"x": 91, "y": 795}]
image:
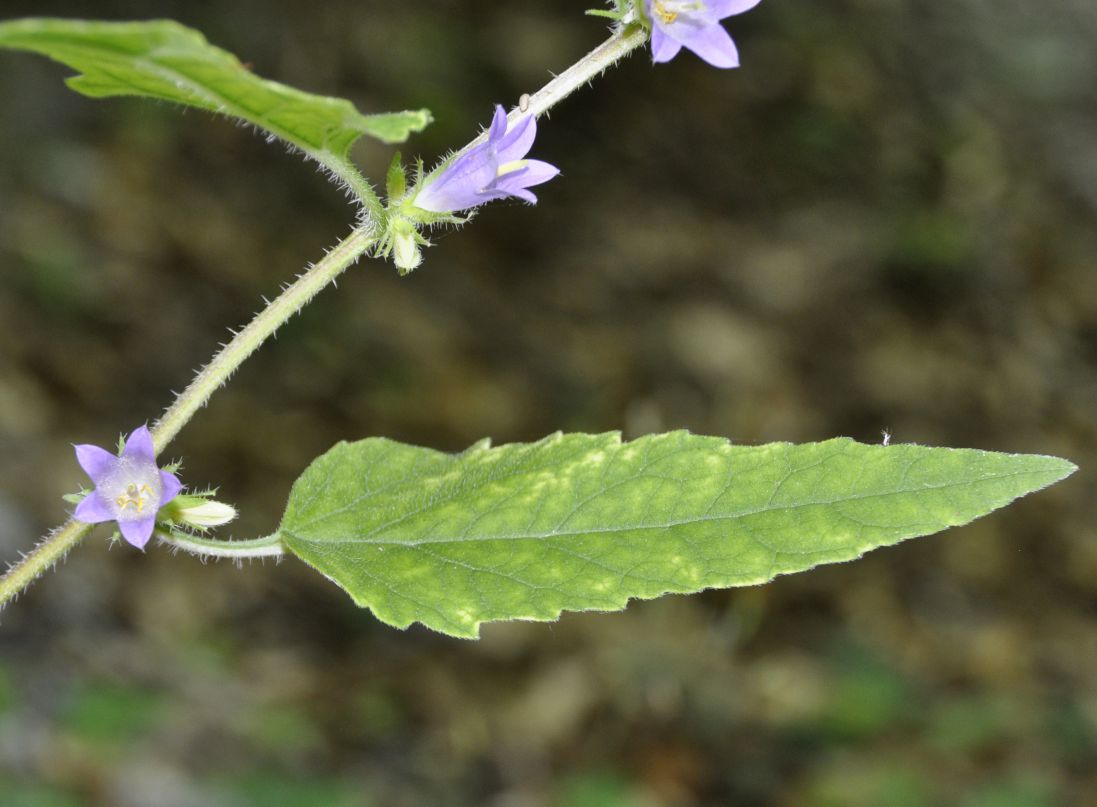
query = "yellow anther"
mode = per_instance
[
  {"x": 134, "y": 497},
  {"x": 513, "y": 165},
  {"x": 666, "y": 15},
  {"x": 669, "y": 10}
]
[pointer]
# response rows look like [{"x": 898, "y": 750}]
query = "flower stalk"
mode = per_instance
[{"x": 269, "y": 546}]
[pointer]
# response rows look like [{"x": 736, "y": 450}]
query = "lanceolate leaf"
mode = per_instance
[
  {"x": 585, "y": 522},
  {"x": 167, "y": 61}
]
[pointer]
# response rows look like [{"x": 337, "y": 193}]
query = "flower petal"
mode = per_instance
[
  {"x": 729, "y": 8},
  {"x": 169, "y": 487},
  {"x": 474, "y": 179},
  {"x": 663, "y": 48},
  {"x": 457, "y": 185},
  {"x": 537, "y": 171},
  {"x": 96, "y": 462},
  {"x": 138, "y": 532},
  {"x": 93, "y": 510},
  {"x": 715, "y": 46},
  {"x": 139, "y": 445},
  {"x": 498, "y": 126},
  {"x": 524, "y": 195},
  {"x": 518, "y": 141}
]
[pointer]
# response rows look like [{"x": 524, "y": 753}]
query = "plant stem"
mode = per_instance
[
  {"x": 55, "y": 545},
  {"x": 627, "y": 37},
  {"x": 50, "y": 549},
  {"x": 246, "y": 341}
]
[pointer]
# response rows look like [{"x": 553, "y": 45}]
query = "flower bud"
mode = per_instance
[
  {"x": 405, "y": 251},
  {"x": 207, "y": 514}
]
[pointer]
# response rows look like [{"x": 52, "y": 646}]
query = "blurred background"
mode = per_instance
[{"x": 884, "y": 220}]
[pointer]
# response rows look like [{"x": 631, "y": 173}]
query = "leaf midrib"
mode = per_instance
[{"x": 538, "y": 536}]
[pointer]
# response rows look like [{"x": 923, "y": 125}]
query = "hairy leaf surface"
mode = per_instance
[
  {"x": 165, "y": 60},
  {"x": 585, "y": 522}
]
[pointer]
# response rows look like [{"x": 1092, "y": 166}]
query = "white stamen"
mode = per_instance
[{"x": 133, "y": 489}]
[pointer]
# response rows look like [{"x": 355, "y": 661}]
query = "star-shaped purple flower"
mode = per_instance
[
  {"x": 695, "y": 25},
  {"x": 129, "y": 489},
  {"x": 495, "y": 169}
]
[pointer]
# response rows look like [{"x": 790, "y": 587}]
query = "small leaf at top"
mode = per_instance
[
  {"x": 585, "y": 522},
  {"x": 165, "y": 60}
]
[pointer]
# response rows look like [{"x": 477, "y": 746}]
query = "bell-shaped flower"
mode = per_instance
[
  {"x": 129, "y": 488},
  {"x": 694, "y": 25},
  {"x": 495, "y": 169}
]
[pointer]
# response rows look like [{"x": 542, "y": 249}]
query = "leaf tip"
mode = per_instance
[{"x": 1063, "y": 467}]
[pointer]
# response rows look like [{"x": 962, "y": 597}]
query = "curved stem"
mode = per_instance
[
  {"x": 267, "y": 547},
  {"x": 372, "y": 212},
  {"x": 626, "y": 38},
  {"x": 57, "y": 544}
]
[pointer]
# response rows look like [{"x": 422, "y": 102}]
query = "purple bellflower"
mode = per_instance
[
  {"x": 129, "y": 489},
  {"x": 495, "y": 169},
  {"x": 694, "y": 25}
]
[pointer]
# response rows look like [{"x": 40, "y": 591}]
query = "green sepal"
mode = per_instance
[
  {"x": 396, "y": 180},
  {"x": 174, "y": 515},
  {"x": 621, "y": 10},
  {"x": 609, "y": 15}
]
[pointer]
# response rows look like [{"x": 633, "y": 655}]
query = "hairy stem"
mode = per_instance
[
  {"x": 50, "y": 549},
  {"x": 246, "y": 341},
  {"x": 267, "y": 547},
  {"x": 626, "y": 38}
]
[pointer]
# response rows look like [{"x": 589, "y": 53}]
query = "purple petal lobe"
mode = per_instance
[
  {"x": 537, "y": 171},
  {"x": 714, "y": 45},
  {"x": 138, "y": 532},
  {"x": 96, "y": 462},
  {"x": 93, "y": 510},
  {"x": 729, "y": 8},
  {"x": 518, "y": 141},
  {"x": 498, "y": 124},
  {"x": 524, "y": 195},
  {"x": 169, "y": 487},
  {"x": 493, "y": 170},
  {"x": 527, "y": 174},
  {"x": 663, "y": 48},
  {"x": 139, "y": 445}
]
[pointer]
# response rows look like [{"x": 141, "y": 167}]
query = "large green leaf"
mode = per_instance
[
  {"x": 585, "y": 522},
  {"x": 165, "y": 60}
]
